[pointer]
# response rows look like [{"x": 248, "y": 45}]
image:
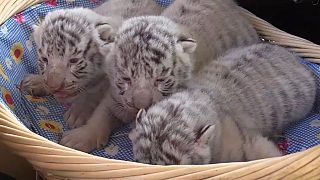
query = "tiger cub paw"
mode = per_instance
[
  {"x": 34, "y": 85},
  {"x": 77, "y": 116},
  {"x": 84, "y": 139}
]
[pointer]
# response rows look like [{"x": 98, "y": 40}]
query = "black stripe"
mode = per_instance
[
  {"x": 157, "y": 39},
  {"x": 73, "y": 35},
  {"x": 83, "y": 67},
  {"x": 171, "y": 157},
  {"x": 285, "y": 99},
  {"x": 159, "y": 55},
  {"x": 168, "y": 87},
  {"x": 241, "y": 85},
  {"x": 87, "y": 48},
  {"x": 71, "y": 43},
  {"x": 259, "y": 66}
]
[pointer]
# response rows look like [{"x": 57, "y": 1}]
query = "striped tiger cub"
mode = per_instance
[
  {"x": 228, "y": 110},
  {"x": 71, "y": 67},
  {"x": 153, "y": 56}
]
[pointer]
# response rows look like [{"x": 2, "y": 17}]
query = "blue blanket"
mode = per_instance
[{"x": 44, "y": 115}]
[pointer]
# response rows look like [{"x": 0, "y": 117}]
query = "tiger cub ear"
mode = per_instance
[
  {"x": 106, "y": 32},
  {"x": 205, "y": 134},
  {"x": 188, "y": 45},
  {"x": 37, "y": 34},
  {"x": 141, "y": 113}
]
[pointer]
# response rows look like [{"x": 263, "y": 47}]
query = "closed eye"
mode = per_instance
[
  {"x": 165, "y": 94},
  {"x": 73, "y": 60},
  {"x": 126, "y": 79},
  {"x": 44, "y": 60},
  {"x": 160, "y": 80}
]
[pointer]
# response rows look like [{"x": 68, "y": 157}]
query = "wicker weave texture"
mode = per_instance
[
  {"x": 9, "y": 8},
  {"x": 59, "y": 162}
]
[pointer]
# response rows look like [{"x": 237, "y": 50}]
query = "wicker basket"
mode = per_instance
[{"x": 58, "y": 162}]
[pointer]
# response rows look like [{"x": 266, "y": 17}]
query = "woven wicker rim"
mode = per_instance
[{"x": 59, "y": 162}]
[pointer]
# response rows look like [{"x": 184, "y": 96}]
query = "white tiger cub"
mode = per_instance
[
  {"x": 228, "y": 110},
  {"x": 129, "y": 8},
  {"x": 152, "y": 56},
  {"x": 71, "y": 67},
  {"x": 149, "y": 60}
]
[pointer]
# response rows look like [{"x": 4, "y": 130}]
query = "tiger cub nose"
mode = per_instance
[
  {"x": 55, "y": 80},
  {"x": 142, "y": 98}
]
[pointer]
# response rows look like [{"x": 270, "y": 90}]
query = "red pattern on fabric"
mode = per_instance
[
  {"x": 94, "y": 1},
  {"x": 283, "y": 146},
  {"x": 52, "y": 2},
  {"x": 20, "y": 18}
]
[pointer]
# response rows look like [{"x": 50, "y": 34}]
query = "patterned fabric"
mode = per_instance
[
  {"x": 44, "y": 116},
  {"x": 164, "y": 2}
]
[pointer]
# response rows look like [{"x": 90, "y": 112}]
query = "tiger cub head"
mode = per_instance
[
  {"x": 164, "y": 135},
  {"x": 151, "y": 59},
  {"x": 70, "y": 44}
]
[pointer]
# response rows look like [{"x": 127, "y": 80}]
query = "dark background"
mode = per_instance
[{"x": 298, "y": 17}]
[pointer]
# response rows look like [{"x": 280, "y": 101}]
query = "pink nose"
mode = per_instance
[{"x": 142, "y": 98}]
